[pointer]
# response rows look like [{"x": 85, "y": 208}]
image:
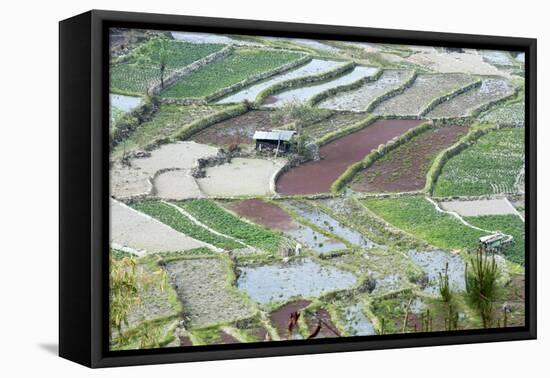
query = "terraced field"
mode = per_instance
[
  {"x": 490, "y": 166},
  {"x": 465, "y": 104},
  {"x": 167, "y": 121},
  {"x": 404, "y": 169},
  {"x": 314, "y": 67},
  {"x": 421, "y": 93},
  {"x": 312, "y": 237},
  {"x": 358, "y": 100},
  {"x": 419, "y": 217},
  {"x": 141, "y": 69},
  {"x": 303, "y": 94},
  {"x": 510, "y": 115},
  {"x": 232, "y": 69}
]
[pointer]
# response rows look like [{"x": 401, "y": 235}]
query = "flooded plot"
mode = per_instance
[
  {"x": 236, "y": 130},
  {"x": 425, "y": 89},
  {"x": 314, "y": 67},
  {"x": 520, "y": 57},
  {"x": 140, "y": 233},
  {"x": 303, "y": 94},
  {"x": 499, "y": 58},
  {"x": 405, "y": 168},
  {"x": 475, "y": 208},
  {"x": 491, "y": 89},
  {"x": 124, "y": 103},
  {"x": 273, "y": 216},
  {"x": 326, "y": 222},
  {"x": 315, "y": 44},
  {"x": 211, "y": 39},
  {"x": 176, "y": 185},
  {"x": 317, "y": 176},
  {"x": 300, "y": 278},
  {"x": 357, "y": 100},
  {"x": 242, "y": 176},
  {"x": 201, "y": 285},
  {"x": 357, "y": 324},
  {"x": 280, "y": 318},
  {"x": 314, "y": 240},
  {"x": 433, "y": 263}
]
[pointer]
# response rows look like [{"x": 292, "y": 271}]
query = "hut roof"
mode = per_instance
[{"x": 284, "y": 135}]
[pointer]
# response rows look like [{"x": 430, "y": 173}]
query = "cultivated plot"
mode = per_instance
[
  {"x": 490, "y": 166},
  {"x": 303, "y": 94},
  {"x": 404, "y": 169},
  {"x": 314, "y": 67},
  {"x": 491, "y": 90},
  {"x": 358, "y": 100},
  {"x": 241, "y": 64},
  {"x": 425, "y": 89},
  {"x": 317, "y": 176}
]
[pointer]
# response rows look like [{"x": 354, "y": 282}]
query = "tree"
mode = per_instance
[{"x": 481, "y": 275}]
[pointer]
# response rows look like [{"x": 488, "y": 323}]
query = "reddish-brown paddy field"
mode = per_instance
[
  {"x": 404, "y": 169},
  {"x": 280, "y": 318},
  {"x": 264, "y": 213},
  {"x": 317, "y": 176},
  {"x": 236, "y": 130}
]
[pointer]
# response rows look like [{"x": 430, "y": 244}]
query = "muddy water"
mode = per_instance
[
  {"x": 317, "y": 176},
  {"x": 433, "y": 263},
  {"x": 315, "y": 67},
  {"x": 330, "y": 224},
  {"x": 124, "y": 103},
  {"x": 300, "y": 278},
  {"x": 357, "y": 324},
  {"x": 273, "y": 216},
  {"x": 280, "y": 317},
  {"x": 303, "y": 94}
]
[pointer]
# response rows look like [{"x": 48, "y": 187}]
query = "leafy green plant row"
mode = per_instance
[
  {"x": 232, "y": 69},
  {"x": 375, "y": 155},
  {"x": 134, "y": 74},
  {"x": 488, "y": 166},
  {"x": 475, "y": 133},
  {"x": 224, "y": 222},
  {"x": 173, "y": 218},
  {"x": 417, "y": 216}
]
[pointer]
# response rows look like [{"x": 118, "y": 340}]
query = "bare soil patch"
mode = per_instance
[
  {"x": 405, "y": 169},
  {"x": 243, "y": 176},
  {"x": 202, "y": 286},
  {"x": 317, "y": 176},
  {"x": 264, "y": 213},
  {"x": 141, "y": 233},
  {"x": 476, "y": 208}
]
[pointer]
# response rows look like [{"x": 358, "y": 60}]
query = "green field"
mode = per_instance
[
  {"x": 136, "y": 74},
  {"x": 491, "y": 165},
  {"x": 173, "y": 218},
  {"x": 508, "y": 224},
  {"x": 222, "y": 221},
  {"x": 418, "y": 216},
  {"x": 167, "y": 120},
  {"x": 236, "y": 67}
]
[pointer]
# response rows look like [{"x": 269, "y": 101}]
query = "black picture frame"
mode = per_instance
[{"x": 84, "y": 188}]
